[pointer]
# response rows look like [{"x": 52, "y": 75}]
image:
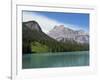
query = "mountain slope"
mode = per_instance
[
  {"x": 34, "y": 36},
  {"x": 62, "y": 33}
]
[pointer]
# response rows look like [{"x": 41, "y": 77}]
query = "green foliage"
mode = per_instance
[{"x": 38, "y": 47}]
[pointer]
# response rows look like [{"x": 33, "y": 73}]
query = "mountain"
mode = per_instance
[
  {"x": 33, "y": 25},
  {"x": 61, "y": 33},
  {"x": 34, "y": 40}
]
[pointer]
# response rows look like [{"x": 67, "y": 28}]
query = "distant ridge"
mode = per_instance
[{"x": 62, "y": 33}]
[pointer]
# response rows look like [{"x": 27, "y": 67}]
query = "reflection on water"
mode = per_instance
[{"x": 62, "y": 59}]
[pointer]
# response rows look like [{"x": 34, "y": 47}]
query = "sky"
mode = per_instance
[{"x": 48, "y": 20}]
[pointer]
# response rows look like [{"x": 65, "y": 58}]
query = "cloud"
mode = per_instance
[{"x": 46, "y": 23}]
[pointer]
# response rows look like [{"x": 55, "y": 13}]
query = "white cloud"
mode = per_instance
[{"x": 46, "y": 23}]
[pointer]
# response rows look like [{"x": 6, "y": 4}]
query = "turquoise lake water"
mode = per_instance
[{"x": 60, "y": 59}]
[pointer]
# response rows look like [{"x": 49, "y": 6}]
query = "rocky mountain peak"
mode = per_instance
[
  {"x": 81, "y": 32},
  {"x": 61, "y": 33},
  {"x": 33, "y": 25},
  {"x": 59, "y": 27}
]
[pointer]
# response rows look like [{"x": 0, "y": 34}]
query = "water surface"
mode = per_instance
[{"x": 61, "y": 59}]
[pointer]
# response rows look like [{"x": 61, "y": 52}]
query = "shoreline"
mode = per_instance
[{"x": 60, "y": 53}]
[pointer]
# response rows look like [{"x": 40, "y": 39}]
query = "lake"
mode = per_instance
[{"x": 60, "y": 59}]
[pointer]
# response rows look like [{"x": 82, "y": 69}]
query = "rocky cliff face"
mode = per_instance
[
  {"x": 33, "y": 25},
  {"x": 62, "y": 33}
]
